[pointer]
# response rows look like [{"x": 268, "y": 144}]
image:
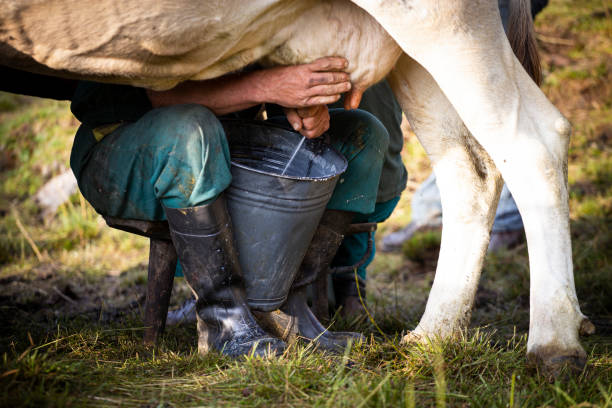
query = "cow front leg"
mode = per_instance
[
  {"x": 469, "y": 186},
  {"x": 462, "y": 45}
]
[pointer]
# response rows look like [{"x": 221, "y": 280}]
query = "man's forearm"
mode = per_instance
[
  {"x": 224, "y": 95},
  {"x": 299, "y": 86}
]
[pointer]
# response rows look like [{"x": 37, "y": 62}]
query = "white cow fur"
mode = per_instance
[{"x": 473, "y": 107}]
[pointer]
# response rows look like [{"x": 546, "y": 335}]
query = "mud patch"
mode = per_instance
[{"x": 47, "y": 295}]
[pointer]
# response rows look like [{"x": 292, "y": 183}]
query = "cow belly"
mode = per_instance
[
  {"x": 158, "y": 44},
  {"x": 148, "y": 43}
]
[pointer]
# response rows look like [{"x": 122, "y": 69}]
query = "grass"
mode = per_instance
[
  {"x": 79, "y": 365},
  {"x": 421, "y": 244},
  {"x": 72, "y": 290}
]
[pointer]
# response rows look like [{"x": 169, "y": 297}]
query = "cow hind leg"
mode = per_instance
[
  {"x": 526, "y": 137},
  {"x": 469, "y": 186}
]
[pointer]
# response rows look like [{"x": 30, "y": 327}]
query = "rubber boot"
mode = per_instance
[
  {"x": 295, "y": 317},
  {"x": 204, "y": 244},
  {"x": 348, "y": 296},
  {"x": 184, "y": 314}
]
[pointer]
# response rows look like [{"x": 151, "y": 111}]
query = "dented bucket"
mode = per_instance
[{"x": 275, "y": 216}]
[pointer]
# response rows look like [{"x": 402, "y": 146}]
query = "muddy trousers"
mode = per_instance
[{"x": 178, "y": 157}]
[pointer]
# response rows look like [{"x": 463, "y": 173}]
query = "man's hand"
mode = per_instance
[
  {"x": 299, "y": 86},
  {"x": 310, "y": 122}
]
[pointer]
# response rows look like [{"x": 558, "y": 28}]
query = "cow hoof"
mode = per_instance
[{"x": 558, "y": 366}]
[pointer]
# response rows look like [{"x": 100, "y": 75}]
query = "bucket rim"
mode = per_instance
[{"x": 261, "y": 123}]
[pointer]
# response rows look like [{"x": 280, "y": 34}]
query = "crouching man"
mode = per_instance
[{"x": 150, "y": 155}]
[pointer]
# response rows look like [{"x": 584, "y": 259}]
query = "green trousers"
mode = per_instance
[
  {"x": 178, "y": 157},
  {"x": 354, "y": 247}
]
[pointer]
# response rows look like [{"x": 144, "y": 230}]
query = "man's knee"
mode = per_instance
[
  {"x": 363, "y": 140},
  {"x": 192, "y": 159},
  {"x": 189, "y": 128},
  {"x": 363, "y": 132},
  {"x": 377, "y": 136}
]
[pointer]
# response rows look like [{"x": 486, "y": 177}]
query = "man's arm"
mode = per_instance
[{"x": 303, "y": 89}]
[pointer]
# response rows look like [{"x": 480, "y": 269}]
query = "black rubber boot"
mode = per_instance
[
  {"x": 204, "y": 243},
  {"x": 295, "y": 317},
  {"x": 347, "y": 293}
]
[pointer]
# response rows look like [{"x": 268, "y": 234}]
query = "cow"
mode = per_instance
[{"x": 472, "y": 105}]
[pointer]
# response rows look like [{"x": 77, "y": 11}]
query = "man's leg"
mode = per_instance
[
  {"x": 352, "y": 250},
  {"x": 174, "y": 162},
  {"x": 174, "y": 157}
]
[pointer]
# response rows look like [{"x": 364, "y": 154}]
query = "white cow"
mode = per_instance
[{"x": 468, "y": 99}]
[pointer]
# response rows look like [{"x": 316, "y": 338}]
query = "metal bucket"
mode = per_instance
[{"x": 275, "y": 216}]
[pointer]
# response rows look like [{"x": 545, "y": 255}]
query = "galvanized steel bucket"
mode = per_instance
[{"x": 275, "y": 216}]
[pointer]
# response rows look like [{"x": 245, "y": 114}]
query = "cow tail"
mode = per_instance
[{"x": 522, "y": 38}]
